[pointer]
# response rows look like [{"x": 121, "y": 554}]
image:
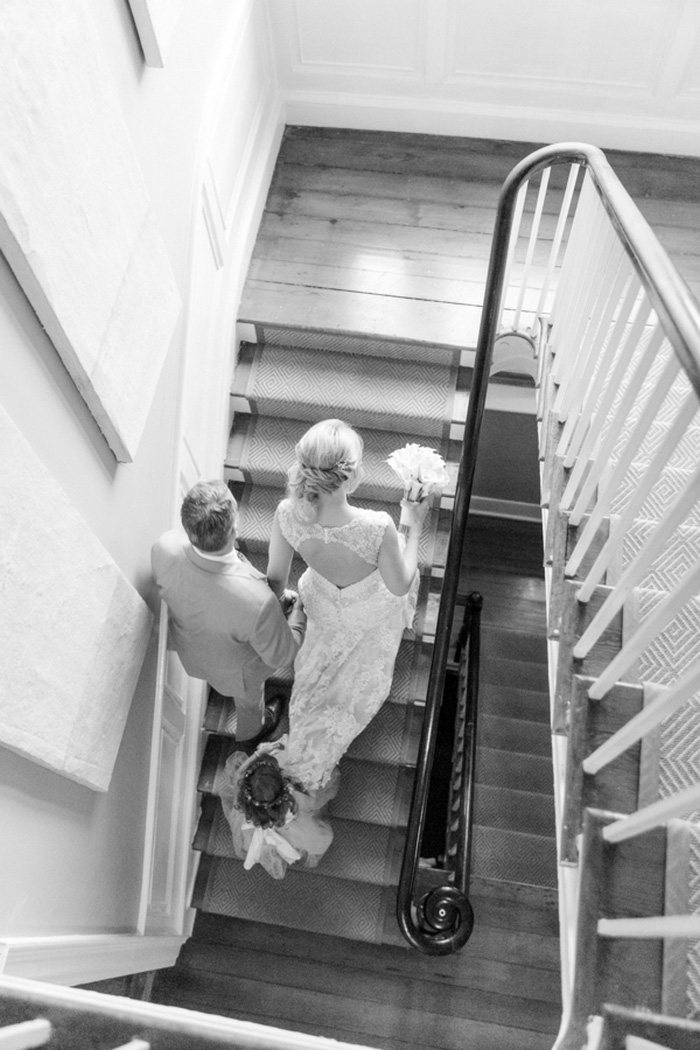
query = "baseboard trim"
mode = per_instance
[
  {"x": 492, "y": 121},
  {"x": 84, "y": 958}
]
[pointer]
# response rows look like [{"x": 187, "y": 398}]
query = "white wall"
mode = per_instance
[
  {"x": 621, "y": 75},
  {"x": 71, "y": 860}
]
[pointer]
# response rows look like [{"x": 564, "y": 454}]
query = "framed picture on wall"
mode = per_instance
[{"x": 155, "y": 24}]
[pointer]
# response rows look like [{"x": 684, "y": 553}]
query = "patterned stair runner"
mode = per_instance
[
  {"x": 393, "y": 393},
  {"x": 278, "y": 392}
]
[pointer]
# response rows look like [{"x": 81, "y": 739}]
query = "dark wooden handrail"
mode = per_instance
[
  {"x": 680, "y": 314},
  {"x": 471, "y": 636}
]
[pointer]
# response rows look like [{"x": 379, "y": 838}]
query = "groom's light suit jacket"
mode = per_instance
[{"x": 226, "y": 625}]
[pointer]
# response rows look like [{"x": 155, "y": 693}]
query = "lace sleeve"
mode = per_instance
[
  {"x": 292, "y": 529},
  {"x": 375, "y": 527}
]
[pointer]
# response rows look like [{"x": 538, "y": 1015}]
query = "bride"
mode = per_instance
[{"x": 359, "y": 593}]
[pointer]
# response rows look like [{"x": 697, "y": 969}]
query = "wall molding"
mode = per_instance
[
  {"x": 230, "y": 228},
  {"x": 642, "y": 134},
  {"x": 83, "y": 958}
]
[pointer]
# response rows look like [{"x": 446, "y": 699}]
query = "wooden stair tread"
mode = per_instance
[
  {"x": 498, "y": 768},
  {"x": 511, "y": 810},
  {"x": 261, "y": 449},
  {"x": 360, "y": 851},
  {"x": 304, "y": 898},
  {"x": 257, "y": 506},
  {"x": 502, "y": 669},
  {"x": 509, "y": 734},
  {"x": 374, "y": 393}
]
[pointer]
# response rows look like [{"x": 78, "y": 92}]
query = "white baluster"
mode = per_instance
[
  {"x": 25, "y": 1035},
  {"x": 674, "y": 517},
  {"x": 598, "y": 244},
  {"x": 534, "y": 233},
  {"x": 558, "y": 235},
  {"x": 596, "y": 461},
  {"x": 658, "y": 926},
  {"x": 659, "y": 392},
  {"x": 678, "y": 805},
  {"x": 563, "y": 316},
  {"x": 647, "y": 631},
  {"x": 589, "y": 307},
  {"x": 608, "y": 357},
  {"x": 652, "y": 715},
  {"x": 597, "y": 354},
  {"x": 641, "y": 494},
  {"x": 513, "y": 239}
]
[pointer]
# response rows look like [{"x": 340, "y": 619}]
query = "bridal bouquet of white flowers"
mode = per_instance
[{"x": 421, "y": 469}]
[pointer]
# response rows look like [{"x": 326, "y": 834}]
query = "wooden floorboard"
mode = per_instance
[
  {"x": 325, "y": 985},
  {"x": 395, "y": 229}
]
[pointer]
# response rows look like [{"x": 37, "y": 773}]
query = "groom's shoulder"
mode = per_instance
[{"x": 170, "y": 544}]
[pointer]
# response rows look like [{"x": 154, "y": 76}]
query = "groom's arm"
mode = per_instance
[{"x": 275, "y": 638}]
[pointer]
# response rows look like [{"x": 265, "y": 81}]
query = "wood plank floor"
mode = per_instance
[{"x": 390, "y": 233}]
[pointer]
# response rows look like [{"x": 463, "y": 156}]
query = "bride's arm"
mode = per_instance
[
  {"x": 397, "y": 566},
  {"x": 279, "y": 558}
]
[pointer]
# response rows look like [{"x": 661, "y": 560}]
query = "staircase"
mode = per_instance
[
  {"x": 294, "y": 368},
  {"x": 353, "y": 891},
  {"x": 631, "y": 883},
  {"x": 285, "y": 389}
]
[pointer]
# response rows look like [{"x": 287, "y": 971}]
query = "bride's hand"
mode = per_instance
[
  {"x": 287, "y": 600},
  {"x": 415, "y": 513}
]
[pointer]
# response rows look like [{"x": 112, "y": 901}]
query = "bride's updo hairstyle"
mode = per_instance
[
  {"x": 265, "y": 794},
  {"x": 327, "y": 456}
]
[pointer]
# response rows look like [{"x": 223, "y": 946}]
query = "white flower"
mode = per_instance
[{"x": 421, "y": 469}]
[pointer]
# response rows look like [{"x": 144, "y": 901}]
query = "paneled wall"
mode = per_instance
[
  {"x": 618, "y": 73},
  {"x": 204, "y": 129}
]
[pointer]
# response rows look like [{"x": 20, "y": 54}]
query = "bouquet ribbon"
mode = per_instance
[{"x": 268, "y": 837}]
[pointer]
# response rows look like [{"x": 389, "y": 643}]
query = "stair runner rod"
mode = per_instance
[
  {"x": 656, "y": 926},
  {"x": 678, "y": 805},
  {"x": 670, "y": 699}
]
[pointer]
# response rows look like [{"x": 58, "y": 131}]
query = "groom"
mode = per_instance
[{"x": 226, "y": 625}]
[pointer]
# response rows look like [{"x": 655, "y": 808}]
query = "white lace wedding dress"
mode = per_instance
[{"x": 342, "y": 673}]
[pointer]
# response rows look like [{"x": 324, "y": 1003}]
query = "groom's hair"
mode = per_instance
[{"x": 209, "y": 515}]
